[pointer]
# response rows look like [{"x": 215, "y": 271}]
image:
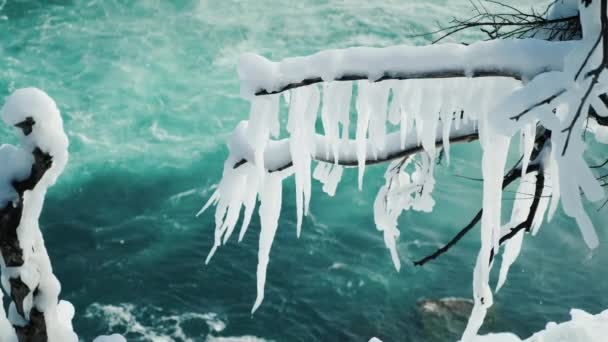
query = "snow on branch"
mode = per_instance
[
  {"x": 35, "y": 313},
  {"x": 277, "y": 156},
  {"x": 518, "y": 59}
]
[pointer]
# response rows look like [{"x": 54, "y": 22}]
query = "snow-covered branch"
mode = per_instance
[
  {"x": 35, "y": 313},
  {"x": 277, "y": 156},
  {"x": 518, "y": 59}
]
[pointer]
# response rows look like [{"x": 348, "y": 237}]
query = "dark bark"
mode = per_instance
[
  {"x": 402, "y": 76},
  {"x": 10, "y": 218},
  {"x": 35, "y": 331}
]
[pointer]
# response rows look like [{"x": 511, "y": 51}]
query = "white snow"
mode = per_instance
[
  {"x": 524, "y": 197},
  {"x": 583, "y": 327},
  {"x": 522, "y": 58},
  {"x": 20, "y": 162},
  {"x": 270, "y": 209},
  {"x": 36, "y": 272}
]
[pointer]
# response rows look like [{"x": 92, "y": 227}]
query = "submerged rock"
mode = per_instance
[{"x": 444, "y": 319}]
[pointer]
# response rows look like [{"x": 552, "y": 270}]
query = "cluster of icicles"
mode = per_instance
[
  {"x": 422, "y": 113},
  {"x": 426, "y": 113}
]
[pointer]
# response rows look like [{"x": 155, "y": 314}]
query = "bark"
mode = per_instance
[{"x": 10, "y": 218}]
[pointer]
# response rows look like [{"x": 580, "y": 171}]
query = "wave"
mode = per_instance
[{"x": 151, "y": 323}]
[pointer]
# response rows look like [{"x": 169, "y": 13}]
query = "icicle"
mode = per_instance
[
  {"x": 386, "y": 223},
  {"x": 575, "y": 175},
  {"x": 250, "y": 194},
  {"x": 543, "y": 203},
  {"x": 394, "y": 112},
  {"x": 330, "y": 117},
  {"x": 528, "y": 135},
  {"x": 335, "y": 110},
  {"x": 301, "y": 126},
  {"x": 446, "y": 120},
  {"x": 287, "y": 96},
  {"x": 333, "y": 179},
  {"x": 7, "y": 333},
  {"x": 410, "y": 104},
  {"x": 447, "y": 114},
  {"x": 363, "y": 116},
  {"x": 493, "y": 164},
  {"x": 329, "y": 175},
  {"x": 212, "y": 201},
  {"x": 270, "y": 209},
  {"x": 512, "y": 249},
  {"x": 378, "y": 103},
  {"x": 263, "y": 121},
  {"x": 524, "y": 197},
  {"x": 229, "y": 200},
  {"x": 555, "y": 190},
  {"x": 430, "y": 116},
  {"x": 345, "y": 109}
]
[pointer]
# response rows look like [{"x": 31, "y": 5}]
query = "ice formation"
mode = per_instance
[
  {"x": 432, "y": 96},
  {"x": 427, "y": 113}
]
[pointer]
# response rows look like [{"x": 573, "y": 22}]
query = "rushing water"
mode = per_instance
[{"x": 149, "y": 92}]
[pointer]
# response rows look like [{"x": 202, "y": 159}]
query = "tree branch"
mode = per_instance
[
  {"x": 481, "y": 59},
  {"x": 514, "y": 173},
  {"x": 510, "y": 177},
  {"x": 10, "y": 218},
  {"x": 278, "y": 156}
]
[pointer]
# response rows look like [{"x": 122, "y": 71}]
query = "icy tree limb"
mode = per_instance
[
  {"x": 10, "y": 218},
  {"x": 277, "y": 156},
  {"x": 520, "y": 59}
]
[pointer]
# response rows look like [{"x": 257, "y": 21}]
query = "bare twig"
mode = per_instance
[{"x": 542, "y": 102}]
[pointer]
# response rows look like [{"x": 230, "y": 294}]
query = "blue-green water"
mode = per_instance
[{"x": 149, "y": 92}]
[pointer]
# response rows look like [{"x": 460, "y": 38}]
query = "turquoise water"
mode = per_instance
[{"x": 149, "y": 92}]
